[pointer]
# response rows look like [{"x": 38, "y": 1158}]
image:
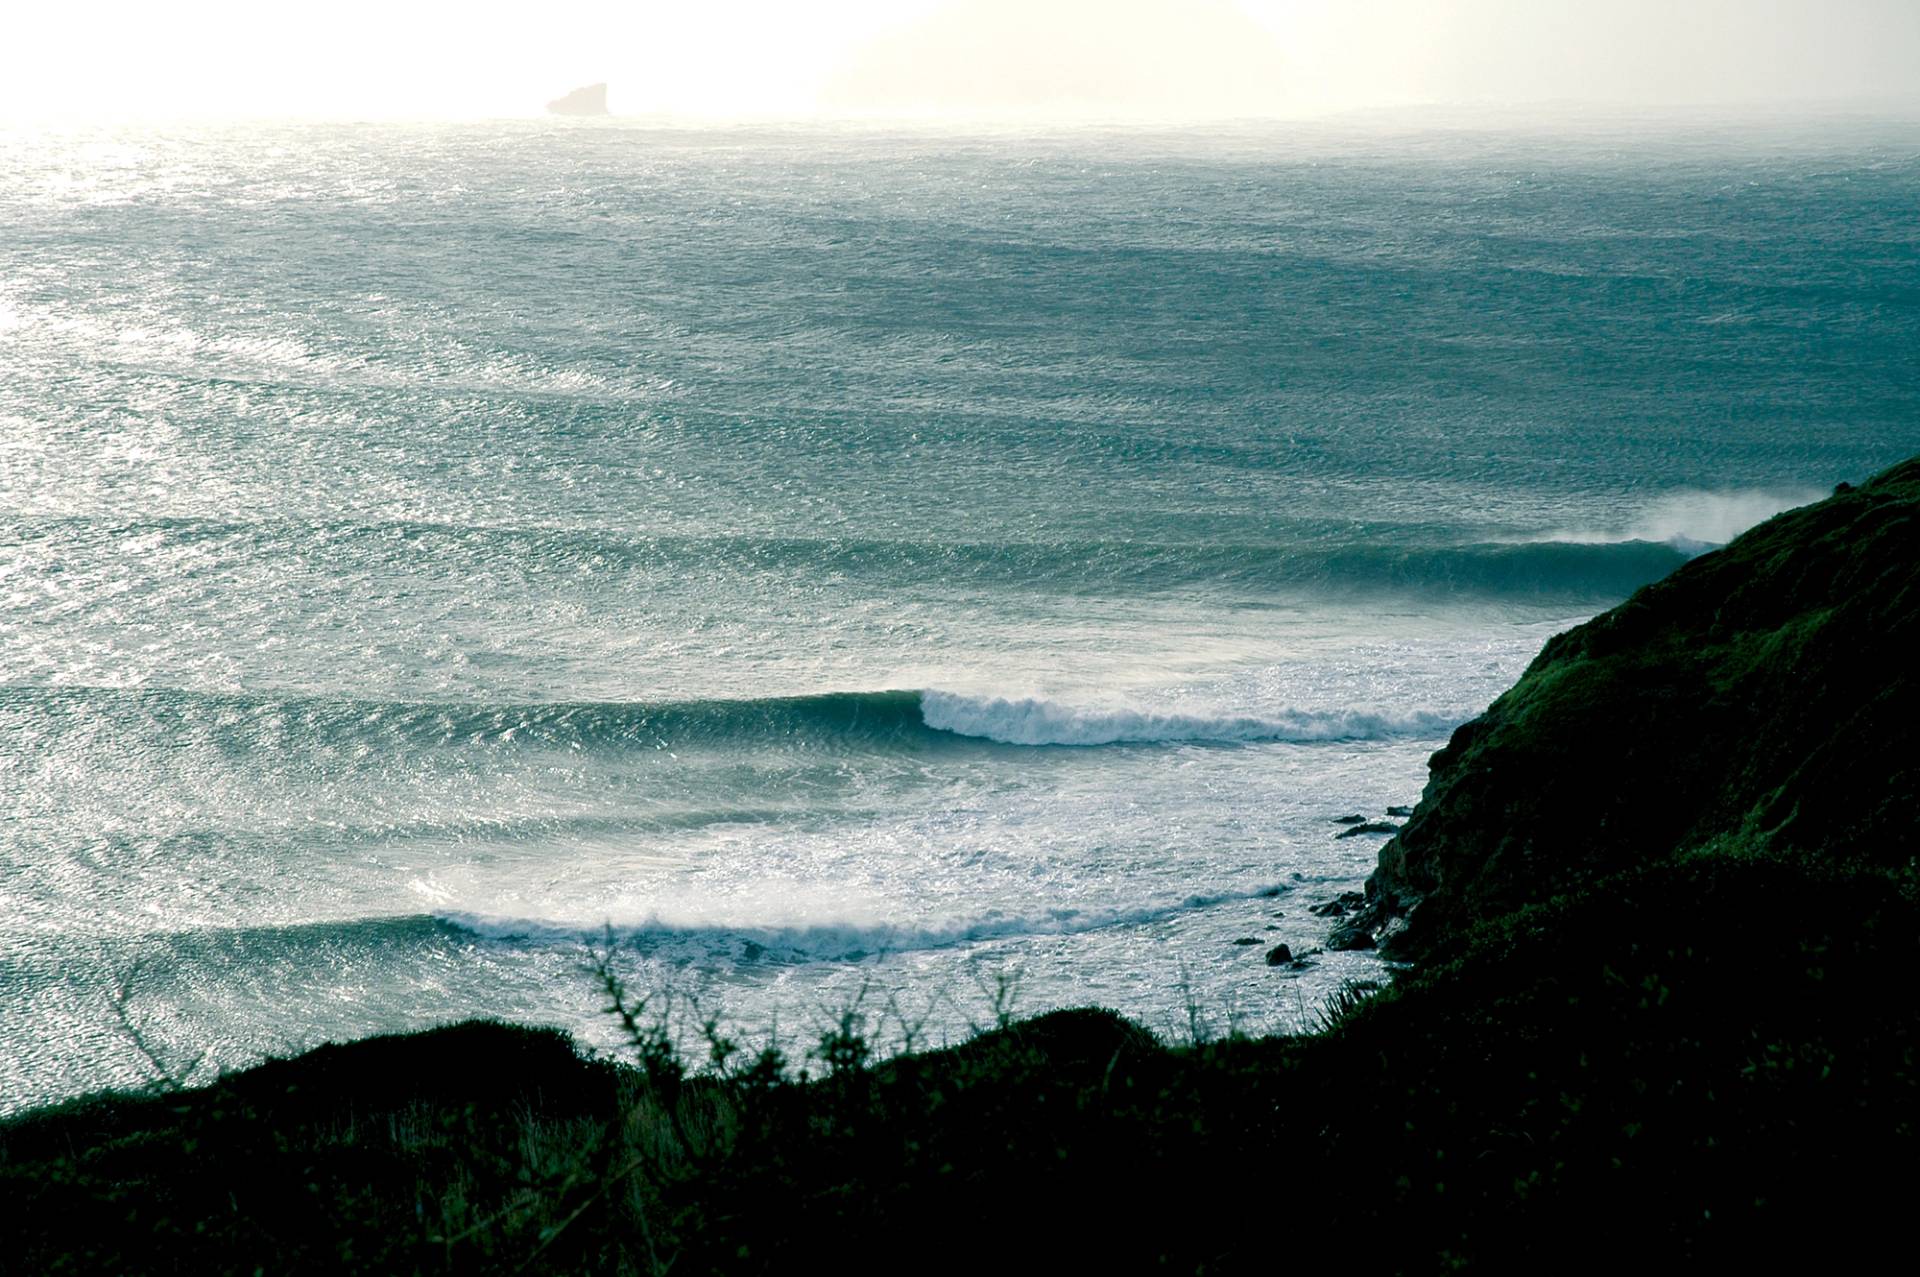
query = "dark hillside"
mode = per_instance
[{"x": 1767, "y": 693}]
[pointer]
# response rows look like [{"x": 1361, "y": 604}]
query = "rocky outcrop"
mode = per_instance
[
  {"x": 1762, "y": 698},
  {"x": 588, "y": 100}
]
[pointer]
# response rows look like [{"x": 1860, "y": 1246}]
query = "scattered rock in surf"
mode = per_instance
[
  {"x": 1349, "y": 937},
  {"x": 1270, "y": 892},
  {"x": 1351, "y": 818},
  {"x": 1301, "y": 964},
  {"x": 1368, "y": 827},
  {"x": 1339, "y": 905},
  {"x": 1401, "y": 812},
  {"x": 1279, "y": 955},
  {"x": 1247, "y": 940}
]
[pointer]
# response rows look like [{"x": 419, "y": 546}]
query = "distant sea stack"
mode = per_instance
[{"x": 588, "y": 100}]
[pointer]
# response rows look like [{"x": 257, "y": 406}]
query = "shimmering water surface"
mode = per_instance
[{"x": 836, "y": 560}]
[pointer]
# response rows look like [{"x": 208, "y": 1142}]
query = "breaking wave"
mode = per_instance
[
  {"x": 1693, "y": 520},
  {"x": 1038, "y": 721},
  {"x": 835, "y": 942},
  {"x": 869, "y": 719}
]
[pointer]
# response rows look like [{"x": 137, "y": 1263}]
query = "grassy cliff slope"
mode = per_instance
[{"x": 1765, "y": 695}]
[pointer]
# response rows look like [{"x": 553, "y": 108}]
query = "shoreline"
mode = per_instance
[{"x": 1666, "y": 1028}]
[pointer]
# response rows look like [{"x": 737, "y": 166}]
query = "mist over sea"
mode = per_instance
[{"x": 837, "y": 561}]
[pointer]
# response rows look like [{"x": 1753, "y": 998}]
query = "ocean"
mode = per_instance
[{"x": 922, "y": 573}]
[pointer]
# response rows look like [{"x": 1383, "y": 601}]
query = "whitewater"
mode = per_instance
[{"x": 838, "y": 566}]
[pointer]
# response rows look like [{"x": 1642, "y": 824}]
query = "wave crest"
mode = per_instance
[
  {"x": 1693, "y": 521},
  {"x": 1571, "y": 568},
  {"x": 883, "y": 720},
  {"x": 1038, "y": 721},
  {"x": 832, "y": 941}
]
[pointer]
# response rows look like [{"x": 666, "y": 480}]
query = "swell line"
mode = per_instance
[
  {"x": 1558, "y": 569},
  {"x": 743, "y": 941},
  {"x": 835, "y": 942},
  {"x": 888, "y": 718}
]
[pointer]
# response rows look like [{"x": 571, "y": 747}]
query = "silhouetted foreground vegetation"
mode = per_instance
[
  {"x": 1708, "y": 1063},
  {"x": 1689, "y": 1044}
]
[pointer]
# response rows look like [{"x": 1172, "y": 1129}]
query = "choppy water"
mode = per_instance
[{"x": 836, "y": 559}]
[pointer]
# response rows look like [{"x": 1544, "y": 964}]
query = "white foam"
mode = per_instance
[
  {"x": 837, "y": 940},
  {"x": 1695, "y": 521},
  {"x": 1038, "y": 721}
]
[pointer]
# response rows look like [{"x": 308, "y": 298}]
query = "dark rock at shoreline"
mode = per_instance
[
  {"x": 1339, "y": 905},
  {"x": 1349, "y": 936},
  {"x": 1247, "y": 940},
  {"x": 1368, "y": 827},
  {"x": 1352, "y": 818},
  {"x": 1279, "y": 955},
  {"x": 1401, "y": 812},
  {"x": 1761, "y": 698}
]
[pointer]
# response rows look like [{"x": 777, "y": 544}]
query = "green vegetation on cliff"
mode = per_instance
[
  {"x": 1666, "y": 1016},
  {"x": 1764, "y": 696}
]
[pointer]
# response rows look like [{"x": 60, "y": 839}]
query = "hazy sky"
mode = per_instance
[{"x": 994, "y": 57}]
